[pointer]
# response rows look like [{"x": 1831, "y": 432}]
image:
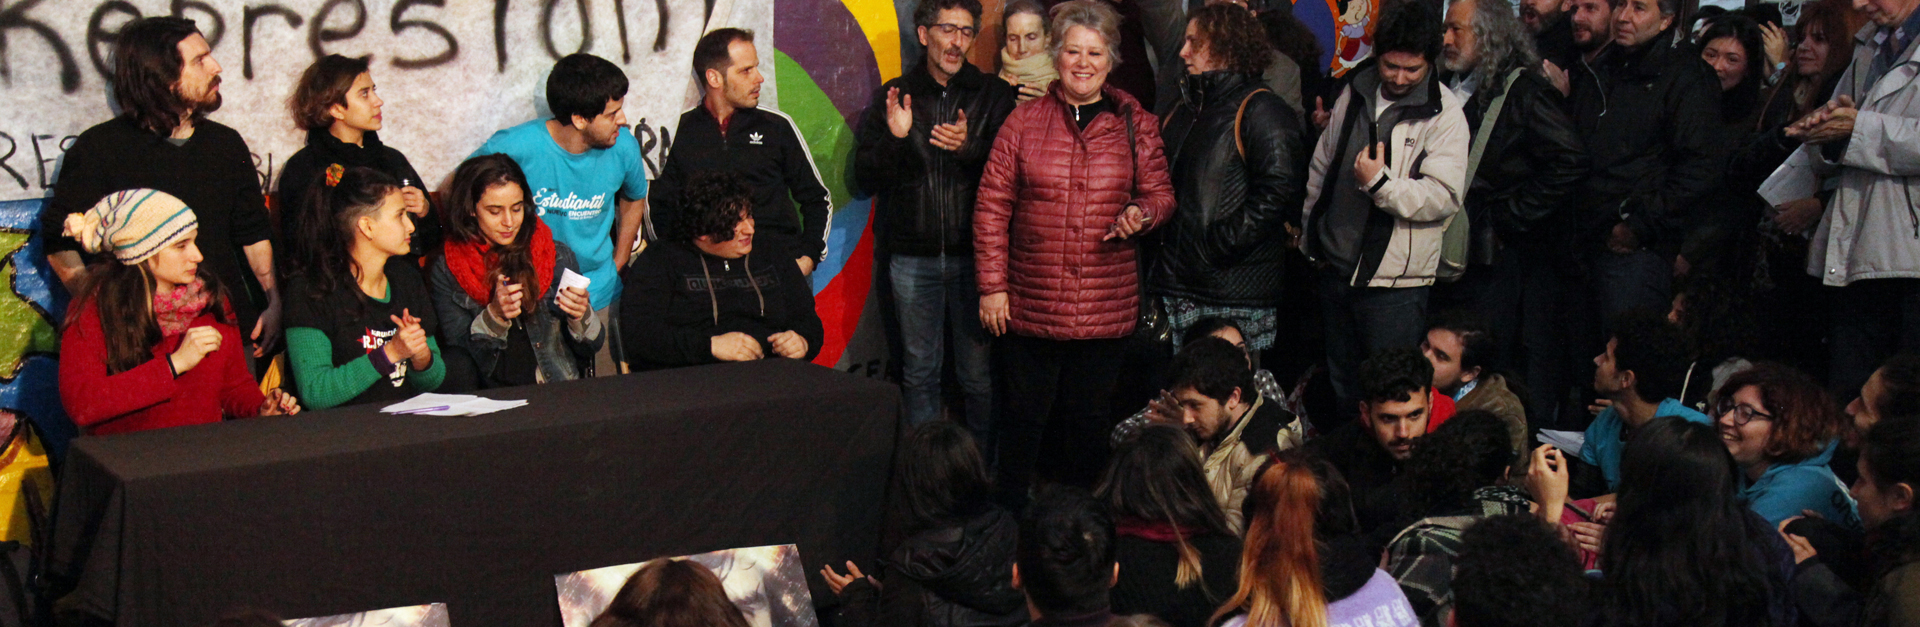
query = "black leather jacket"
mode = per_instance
[
  {"x": 1532, "y": 162},
  {"x": 1651, "y": 121},
  {"x": 926, "y": 193},
  {"x": 1226, "y": 242}
]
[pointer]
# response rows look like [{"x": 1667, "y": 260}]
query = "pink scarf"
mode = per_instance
[{"x": 176, "y": 308}]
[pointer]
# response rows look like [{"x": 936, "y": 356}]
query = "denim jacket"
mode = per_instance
[{"x": 563, "y": 353}]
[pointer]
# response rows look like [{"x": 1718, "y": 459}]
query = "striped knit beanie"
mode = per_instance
[{"x": 135, "y": 224}]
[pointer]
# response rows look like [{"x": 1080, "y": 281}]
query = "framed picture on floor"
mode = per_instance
[{"x": 767, "y": 584}]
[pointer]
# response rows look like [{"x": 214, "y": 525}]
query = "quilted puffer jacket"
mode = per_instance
[{"x": 1048, "y": 196}]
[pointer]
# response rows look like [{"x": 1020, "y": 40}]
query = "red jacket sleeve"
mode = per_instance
[
  {"x": 993, "y": 207},
  {"x": 240, "y": 395},
  {"x": 1155, "y": 186},
  {"x": 92, "y": 396}
]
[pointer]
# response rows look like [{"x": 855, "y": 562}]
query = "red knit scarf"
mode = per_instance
[
  {"x": 1153, "y": 531},
  {"x": 176, "y": 308},
  {"x": 474, "y": 264}
]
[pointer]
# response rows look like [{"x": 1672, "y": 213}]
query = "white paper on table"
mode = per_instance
[
  {"x": 427, "y": 401},
  {"x": 569, "y": 278},
  {"x": 1568, "y": 442},
  {"x": 450, "y": 405},
  {"x": 1793, "y": 180}
]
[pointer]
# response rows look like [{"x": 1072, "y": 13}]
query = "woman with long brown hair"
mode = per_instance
[
  {"x": 498, "y": 287},
  {"x": 1305, "y": 563},
  {"x": 150, "y": 340},
  {"x": 1177, "y": 555}
]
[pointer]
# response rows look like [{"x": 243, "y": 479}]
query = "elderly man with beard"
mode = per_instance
[
  {"x": 923, "y": 145},
  {"x": 166, "y": 81},
  {"x": 1530, "y": 158}
]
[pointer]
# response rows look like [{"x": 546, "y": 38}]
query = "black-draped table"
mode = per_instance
[{"x": 350, "y": 510}]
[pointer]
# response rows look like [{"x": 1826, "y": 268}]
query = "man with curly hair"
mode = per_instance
[
  {"x": 713, "y": 295},
  {"x": 1387, "y": 175}
]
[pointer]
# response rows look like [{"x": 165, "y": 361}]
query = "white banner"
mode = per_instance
[{"x": 451, "y": 71}]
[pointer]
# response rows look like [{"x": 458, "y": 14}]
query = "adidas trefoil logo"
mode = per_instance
[{"x": 754, "y": 138}]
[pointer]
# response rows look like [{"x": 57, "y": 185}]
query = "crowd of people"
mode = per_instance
[{"x": 1676, "y": 241}]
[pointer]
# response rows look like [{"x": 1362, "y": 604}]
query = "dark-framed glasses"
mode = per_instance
[
  {"x": 949, "y": 29},
  {"x": 1742, "y": 413}
]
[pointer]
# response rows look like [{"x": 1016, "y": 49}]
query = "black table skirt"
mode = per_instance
[{"x": 349, "y": 510}]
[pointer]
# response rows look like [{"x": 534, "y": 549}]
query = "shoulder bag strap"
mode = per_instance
[
  {"x": 1238, "y": 141},
  {"x": 1487, "y": 121}
]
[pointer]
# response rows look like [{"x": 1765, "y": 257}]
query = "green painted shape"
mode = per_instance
[
  {"x": 23, "y": 330},
  {"x": 827, "y": 133}
]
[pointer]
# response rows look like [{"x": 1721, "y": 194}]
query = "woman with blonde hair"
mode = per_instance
[{"x": 1305, "y": 563}]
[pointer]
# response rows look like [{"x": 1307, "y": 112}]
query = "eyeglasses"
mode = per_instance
[
  {"x": 1742, "y": 414},
  {"x": 949, "y": 29}
]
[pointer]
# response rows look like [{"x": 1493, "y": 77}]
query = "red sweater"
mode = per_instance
[{"x": 149, "y": 396}]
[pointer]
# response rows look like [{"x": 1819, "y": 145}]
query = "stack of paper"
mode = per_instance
[
  {"x": 1569, "y": 442},
  {"x": 450, "y": 405}
]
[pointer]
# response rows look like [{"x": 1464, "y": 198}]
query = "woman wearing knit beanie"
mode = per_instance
[{"x": 172, "y": 355}]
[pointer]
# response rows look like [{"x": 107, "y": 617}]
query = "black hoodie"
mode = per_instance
[
  {"x": 950, "y": 577},
  {"x": 307, "y": 167},
  {"x": 678, "y": 298}
]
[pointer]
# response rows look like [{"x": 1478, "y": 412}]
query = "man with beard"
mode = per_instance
[
  {"x": 1590, "y": 29},
  {"x": 728, "y": 131},
  {"x": 1530, "y": 159},
  {"x": 1552, "y": 30},
  {"x": 1386, "y": 175},
  {"x": 580, "y": 164},
  {"x": 1397, "y": 401},
  {"x": 1648, "y": 111},
  {"x": 1238, "y": 428},
  {"x": 922, "y": 147},
  {"x": 166, "y": 82}
]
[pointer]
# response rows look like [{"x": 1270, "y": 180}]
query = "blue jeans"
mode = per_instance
[
  {"x": 935, "y": 296},
  {"x": 1361, "y": 321}
]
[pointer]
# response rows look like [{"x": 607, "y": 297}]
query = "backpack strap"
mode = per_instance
[{"x": 1238, "y": 141}]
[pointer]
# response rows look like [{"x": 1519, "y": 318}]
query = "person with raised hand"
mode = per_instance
[
  {"x": 501, "y": 283},
  {"x": 360, "y": 322},
  {"x": 150, "y": 340},
  {"x": 922, "y": 145}
]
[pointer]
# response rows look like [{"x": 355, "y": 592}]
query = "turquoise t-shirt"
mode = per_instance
[
  {"x": 1603, "y": 444},
  {"x": 575, "y": 194}
]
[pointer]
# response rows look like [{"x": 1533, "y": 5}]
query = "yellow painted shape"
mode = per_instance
[{"x": 882, "y": 25}]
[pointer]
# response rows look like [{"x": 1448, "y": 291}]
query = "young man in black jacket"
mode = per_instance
[
  {"x": 729, "y": 132},
  {"x": 1532, "y": 158},
  {"x": 716, "y": 294},
  {"x": 163, "y": 140},
  {"x": 922, "y": 146}
]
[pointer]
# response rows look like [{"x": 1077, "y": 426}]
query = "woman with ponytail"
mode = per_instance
[
  {"x": 1177, "y": 556},
  {"x": 1305, "y": 563},
  {"x": 172, "y": 355},
  {"x": 499, "y": 283},
  {"x": 360, "y": 322}
]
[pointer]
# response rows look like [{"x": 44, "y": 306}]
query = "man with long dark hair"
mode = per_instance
[{"x": 166, "y": 81}]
